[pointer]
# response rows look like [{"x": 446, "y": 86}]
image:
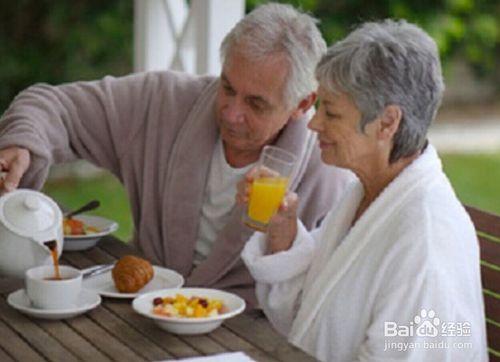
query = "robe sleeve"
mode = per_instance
[
  {"x": 89, "y": 120},
  {"x": 280, "y": 277}
]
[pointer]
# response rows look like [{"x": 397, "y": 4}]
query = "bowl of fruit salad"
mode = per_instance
[
  {"x": 188, "y": 310},
  {"x": 82, "y": 232}
]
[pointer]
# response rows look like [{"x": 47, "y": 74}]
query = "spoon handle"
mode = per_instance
[{"x": 94, "y": 204}]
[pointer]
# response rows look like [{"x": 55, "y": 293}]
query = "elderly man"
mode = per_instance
[{"x": 179, "y": 142}]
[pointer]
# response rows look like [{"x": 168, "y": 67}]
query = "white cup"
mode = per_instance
[{"x": 45, "y": 293}]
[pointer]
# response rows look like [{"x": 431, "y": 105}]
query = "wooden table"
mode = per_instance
[{"x": 113, "y": 331}]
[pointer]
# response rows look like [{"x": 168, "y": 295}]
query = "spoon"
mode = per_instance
[{"x": 94, "y": 204}]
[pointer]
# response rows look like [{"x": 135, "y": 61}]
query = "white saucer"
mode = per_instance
[
  {"x": 163, "y": 279},
  {"x": 19, "y": 300}
]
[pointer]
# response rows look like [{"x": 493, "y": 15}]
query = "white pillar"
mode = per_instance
[
  {"x": 168, "y": 34},
  {"x": 213, "y": 19}
]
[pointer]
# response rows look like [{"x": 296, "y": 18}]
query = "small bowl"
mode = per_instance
[
  {"x": 144, "y": 306},
  {"x": 83, "y": 242}
]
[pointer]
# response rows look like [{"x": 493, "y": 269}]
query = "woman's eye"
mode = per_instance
[{"x": 330, "y": 115}]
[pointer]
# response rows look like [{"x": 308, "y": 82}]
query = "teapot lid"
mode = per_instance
[{"x": 29, "y": 213}]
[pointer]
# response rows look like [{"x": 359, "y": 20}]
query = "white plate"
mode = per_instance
[
  {"x": 19, "y": 300},
  {"x": 163, "y": 279},
  {"x": 234, "y": 304},
  {"x": 83, "y": 242}
]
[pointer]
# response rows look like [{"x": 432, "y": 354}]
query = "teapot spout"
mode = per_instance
[{"x": 51, "y": 245}]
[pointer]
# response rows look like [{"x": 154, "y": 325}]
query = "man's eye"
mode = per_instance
[
  {"x": 256, "y": 107},
  {"x": 228, "y": 90}
]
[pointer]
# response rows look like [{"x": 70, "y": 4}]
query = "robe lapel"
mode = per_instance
[{"x": 185, "y": 182}]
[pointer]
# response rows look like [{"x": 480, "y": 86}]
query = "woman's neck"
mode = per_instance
[{"x": 375, "y": 179}]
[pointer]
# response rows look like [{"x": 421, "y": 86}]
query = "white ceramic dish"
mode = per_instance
[
  {"x": 83, "y": 242},
  {"x": 144, "y": 306},
  {"x": 87, "y": 301},
  {"x": 163, "y": 278}
]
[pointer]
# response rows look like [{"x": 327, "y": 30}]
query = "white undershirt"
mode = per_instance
[{"x": 218, "y": 201}]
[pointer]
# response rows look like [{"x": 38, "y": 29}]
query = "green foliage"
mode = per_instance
[
  {"x": 462, "y": 28},
  {"x": 475, "y": 178},
  {"x": 59, "y": 41}
]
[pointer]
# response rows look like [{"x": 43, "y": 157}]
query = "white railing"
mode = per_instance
[{"x": 171, "y": 34}]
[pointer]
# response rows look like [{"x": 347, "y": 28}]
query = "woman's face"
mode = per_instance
[{"x": 337, "y": 123}]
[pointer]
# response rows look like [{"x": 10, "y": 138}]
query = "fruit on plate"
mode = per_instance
[
  {"x": 184, "y": 307},
  {"x": 77, "y": 227}
]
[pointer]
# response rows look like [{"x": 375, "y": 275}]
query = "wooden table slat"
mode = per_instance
[
  {"x": 204, "y": 344},
  {"x": 102, "y": 340},
  {"x": 235, "y": 343},
  {"x": 258, "y": 332},
  {"x": 129, "y": 336},
  {"x": 15, "y": 346},
  {"x": 4, "y": 357},
  {"x": 173, "y": 344},
  {"x": 36, "y": 336},
  {"x": 77, "y": 344}
]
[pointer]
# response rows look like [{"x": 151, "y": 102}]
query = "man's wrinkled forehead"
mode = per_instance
[{"x": 266, "y": 82}]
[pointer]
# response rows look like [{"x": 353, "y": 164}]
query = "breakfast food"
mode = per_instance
[
  {"x": 184, "y": 307},
  {"x": 131, "y": 274},
  {"x": 77, "y": 227}
]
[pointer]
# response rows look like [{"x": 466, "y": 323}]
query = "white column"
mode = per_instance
[
  {"x": 155, "y": 32},
  {"x": 169, "y": 35},
  {"x": 213, "y": 19}
]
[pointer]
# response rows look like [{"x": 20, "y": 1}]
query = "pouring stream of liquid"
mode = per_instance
[{"x": 52, "y": 245}]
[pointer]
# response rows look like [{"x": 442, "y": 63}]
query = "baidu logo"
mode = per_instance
[{"x": 424, "y": 324}]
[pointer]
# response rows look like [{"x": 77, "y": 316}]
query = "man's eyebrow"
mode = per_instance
[{"x": 224, "y": 79}]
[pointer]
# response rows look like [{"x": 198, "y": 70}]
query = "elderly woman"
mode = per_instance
[{"x": 393, "y": 272}]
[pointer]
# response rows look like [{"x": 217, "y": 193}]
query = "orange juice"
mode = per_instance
[{"x": 265, "y": 197}]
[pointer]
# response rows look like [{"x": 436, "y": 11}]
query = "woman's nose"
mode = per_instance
[{"x": 315, "y": 123}]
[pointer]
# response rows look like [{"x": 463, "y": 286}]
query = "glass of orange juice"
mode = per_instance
[{"x": 267, "y": 191}]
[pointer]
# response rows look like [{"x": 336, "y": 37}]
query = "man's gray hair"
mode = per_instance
[
  {"x": 275, "y": 29},
  {"x": 388, "y": 63}
]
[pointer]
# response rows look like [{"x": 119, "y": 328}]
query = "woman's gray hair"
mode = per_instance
[
  {"x": 274, "y": 29},
  {"x": 388, "y": 63}
]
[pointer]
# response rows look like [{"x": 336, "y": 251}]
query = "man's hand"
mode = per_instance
[{"x": 14, "y": 161}]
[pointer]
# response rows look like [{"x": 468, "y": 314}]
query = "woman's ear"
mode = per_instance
[
  {"x": 389, "y": 122},
  {"x": 304, "y": 105}
]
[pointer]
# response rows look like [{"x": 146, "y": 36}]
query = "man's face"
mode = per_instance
[{"x": 250, "y": 107}]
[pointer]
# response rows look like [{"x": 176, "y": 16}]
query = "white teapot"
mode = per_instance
[{"x": 28, "y": 220}]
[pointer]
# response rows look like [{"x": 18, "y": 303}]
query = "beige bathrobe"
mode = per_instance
[{"x": 156, "y": 132}]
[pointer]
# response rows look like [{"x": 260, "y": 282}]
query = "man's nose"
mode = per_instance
[{"x": 234, "y": 111}]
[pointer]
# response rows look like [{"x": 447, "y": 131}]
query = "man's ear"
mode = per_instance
[
  {"x": 304, "y": 105},
  {"x": 389, "y": 122}
]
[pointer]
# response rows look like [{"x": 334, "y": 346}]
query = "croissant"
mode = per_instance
[{"x": 131, "y": 273}]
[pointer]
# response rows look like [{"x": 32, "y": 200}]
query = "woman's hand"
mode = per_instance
[{"x": 282, "y": 228}]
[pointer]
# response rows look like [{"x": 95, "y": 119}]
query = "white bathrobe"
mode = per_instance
[{"x": 360, "y": 293}]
